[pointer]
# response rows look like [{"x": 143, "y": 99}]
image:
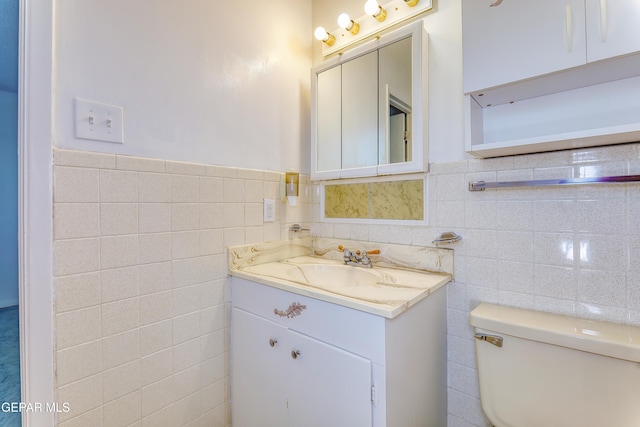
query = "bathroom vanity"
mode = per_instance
[{"x": 310, "y": 350}]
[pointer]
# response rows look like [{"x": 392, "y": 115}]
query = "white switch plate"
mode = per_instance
[
  {"x": 99, "y": 122},
  {"x": 269, "y": 210}
]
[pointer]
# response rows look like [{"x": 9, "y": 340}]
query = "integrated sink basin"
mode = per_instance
[{"x": 331, "y": 275}]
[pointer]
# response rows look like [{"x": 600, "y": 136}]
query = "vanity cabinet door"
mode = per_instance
[
  {"x": 612, "y": 28},
  {"x": 259, "y": 379},
  {"x": 520, "y": 39},
  {"x": 283, "y": 378},
  {"x": 328, "y": 386}
]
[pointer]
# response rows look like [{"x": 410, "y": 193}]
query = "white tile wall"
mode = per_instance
[
  {"x": 140, "y": 274},
  {"x": 569, "y": 250},
  {"x": 141, "y": 325}
]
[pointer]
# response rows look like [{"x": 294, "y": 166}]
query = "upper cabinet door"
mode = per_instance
[
  {"x": 505, "y": 41},
  {"x": 613, "y": 28}
]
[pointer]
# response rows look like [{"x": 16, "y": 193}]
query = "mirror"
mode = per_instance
[
  {"x": 394, "y": 68},
  {"x": 365, "y": 107},
  {"x": 360, "y": 112}
]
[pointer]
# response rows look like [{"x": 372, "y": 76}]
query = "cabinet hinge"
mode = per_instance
[{"x": 373, "y": 394}]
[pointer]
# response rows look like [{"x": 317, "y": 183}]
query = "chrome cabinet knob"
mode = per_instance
[
  {"x": 273, "y": 342},
  {"x": 295, "y": 353}
]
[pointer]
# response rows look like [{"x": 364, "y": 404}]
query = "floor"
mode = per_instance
[{"x": 9, "y": 365}]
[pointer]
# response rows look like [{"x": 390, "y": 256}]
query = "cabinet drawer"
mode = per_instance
[{"x": 356, "y": 331}]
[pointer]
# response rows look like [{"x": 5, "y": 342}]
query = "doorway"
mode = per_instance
[{"x": 9, "y": 283}]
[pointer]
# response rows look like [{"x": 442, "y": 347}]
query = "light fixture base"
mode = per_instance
[
  {"x": 354, "y": 29},
  {"x": 330, "y": 41},
  {"x": 397, "y": 12},
  {"x": 382, "y": 14}
]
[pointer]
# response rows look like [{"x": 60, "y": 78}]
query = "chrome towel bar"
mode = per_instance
[{"x": 482, "y": 185}]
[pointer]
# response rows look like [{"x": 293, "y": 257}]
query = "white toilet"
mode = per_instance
[{"x": 544, "y": 370}]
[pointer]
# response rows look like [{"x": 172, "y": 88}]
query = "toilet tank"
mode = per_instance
[{"x": 556, "y": 371}]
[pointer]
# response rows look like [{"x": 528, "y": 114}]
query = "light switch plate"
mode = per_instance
[
  {"x": 269, "y": 210},
  {"x": 99, "y": 122}
]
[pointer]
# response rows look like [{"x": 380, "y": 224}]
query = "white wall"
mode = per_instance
[
  {"x": 223, "y": 83},
  {"x": 444, "y": 25},
  {"x": 215, "y": 83}
]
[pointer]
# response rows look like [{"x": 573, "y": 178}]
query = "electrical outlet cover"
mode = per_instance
[{"x": 269, "y": 210}]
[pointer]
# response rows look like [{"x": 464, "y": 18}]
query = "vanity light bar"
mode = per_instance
[{"x": 397, "y": 11}]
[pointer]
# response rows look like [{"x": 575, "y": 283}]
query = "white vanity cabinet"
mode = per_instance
[
  {"x": 300, "y": 361},
  {"x": 536, "y": 74}
]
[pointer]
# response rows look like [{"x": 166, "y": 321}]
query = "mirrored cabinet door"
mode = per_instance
[
  {"x": 329, "y": 119},
  {"x": 360, "y": 112},
  {"x": 395, "y": 97}
]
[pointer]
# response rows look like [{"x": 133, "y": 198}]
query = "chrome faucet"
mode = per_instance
[{"x": 355, "y": 258}]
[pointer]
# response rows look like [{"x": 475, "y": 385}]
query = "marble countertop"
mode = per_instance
[{"x": 383, "y": 291}]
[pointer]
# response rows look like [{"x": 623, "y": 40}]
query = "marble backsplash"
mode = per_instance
[
  {"x": 437, "y": 260},
  {"x": 261, "y": 253}
]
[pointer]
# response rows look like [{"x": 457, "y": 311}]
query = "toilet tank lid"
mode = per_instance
[{"x": 607, "y": 339}]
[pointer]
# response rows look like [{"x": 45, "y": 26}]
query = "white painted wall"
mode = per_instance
[
  {"x": 446, "y": 113},
  {"x": 223, "y": 83}
]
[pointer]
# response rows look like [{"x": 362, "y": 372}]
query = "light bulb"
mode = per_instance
[
  {"x": 344, "y": 21},
  {"x": 371, "y": 7},
  {"x": 322, "y": 35}
]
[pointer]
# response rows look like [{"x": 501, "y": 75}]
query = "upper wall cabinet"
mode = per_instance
[
  {"x": 369, "y": 108},
  {"x": 520, "y": 39},
  {"x": 535, "y": 74}
]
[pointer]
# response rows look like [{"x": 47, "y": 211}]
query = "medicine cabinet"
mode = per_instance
[{"x": 369, "y": 108}]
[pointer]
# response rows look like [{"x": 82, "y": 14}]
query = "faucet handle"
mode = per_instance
[
  {"x": 373, "y": 252},
  {"x": 346, "y": 254},
  {"x": 365, "y": 261}
]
